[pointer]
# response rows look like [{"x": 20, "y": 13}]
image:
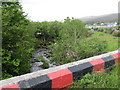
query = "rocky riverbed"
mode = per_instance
[{"x": 36, "y": 63}]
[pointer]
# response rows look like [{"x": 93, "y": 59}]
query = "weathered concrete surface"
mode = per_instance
[{"x": 52, "y": 71}]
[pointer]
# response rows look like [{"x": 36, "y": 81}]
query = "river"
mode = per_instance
[{"x": 36, "y": 65}]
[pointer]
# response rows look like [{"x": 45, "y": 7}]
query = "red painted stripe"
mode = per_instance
[
  {"x": 10, "y": 87},
  {"x": 61, "y": 79},
  {"x": 98, "y": 64},
  {"x": 117, "y": 58}
]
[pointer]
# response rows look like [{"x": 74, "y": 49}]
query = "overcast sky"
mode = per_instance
[{"x": 50, "y": 10}]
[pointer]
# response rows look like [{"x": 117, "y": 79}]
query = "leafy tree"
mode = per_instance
[
  {"x": 47, "y": 32},
  {"x": 73, "y": 30},
  {"x": 64, "y": 49},
  {"x": 17, "y": 40}
]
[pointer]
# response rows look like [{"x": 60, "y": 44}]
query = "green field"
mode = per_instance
[
  {"x": 108, "y": 80},
  {"x": 112, "y": 41}
]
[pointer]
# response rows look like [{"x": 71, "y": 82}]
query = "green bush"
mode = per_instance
[
  {"x": 96, "y": 29},
  {"x": 99, "y": 80},
  {"x": 101, "y": 30},
  {"x": 113, "y": 31},
  {"x": 109, "y": 31},
  {"x": 116, "y": 33},
  {"x": 47, "y": 32}
]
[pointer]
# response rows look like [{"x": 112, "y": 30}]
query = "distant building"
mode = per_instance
[{"x": 101, "y": 25}]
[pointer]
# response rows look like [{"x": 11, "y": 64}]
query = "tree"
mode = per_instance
[
  {"x": 65, "y": 48},
  {"x": 47, "y": 31},
  {"x": 73, "y": 30},
  {"x": 17, "y": 40}
]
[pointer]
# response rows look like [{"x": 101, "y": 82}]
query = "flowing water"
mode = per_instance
[{"x": 36, "y": 65}]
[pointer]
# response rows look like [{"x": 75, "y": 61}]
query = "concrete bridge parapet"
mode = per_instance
[{"x": 62, "y": 76}]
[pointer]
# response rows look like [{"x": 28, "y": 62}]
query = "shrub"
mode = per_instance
[
  {"x": 99, "y": 80},
  {"x": 47, "y": 32},
  {"x": 96, "y": 29},
  {"x": 116, "y": 33}
]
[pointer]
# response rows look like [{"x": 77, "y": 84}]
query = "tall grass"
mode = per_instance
[{"x": 112, "y": 41}]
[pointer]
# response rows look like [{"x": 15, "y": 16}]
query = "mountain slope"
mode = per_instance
[{"x": 102, "y": 18}]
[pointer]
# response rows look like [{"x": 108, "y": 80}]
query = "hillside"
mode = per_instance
[{"x": 102, "y": 18}]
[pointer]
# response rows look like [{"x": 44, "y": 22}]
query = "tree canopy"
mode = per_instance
[{"x": 17, "y": 40}]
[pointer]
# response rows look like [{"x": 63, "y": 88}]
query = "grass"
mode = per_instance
[
  {"x": 112, "y": 41},
  {"x": 98, "y": 80}
]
